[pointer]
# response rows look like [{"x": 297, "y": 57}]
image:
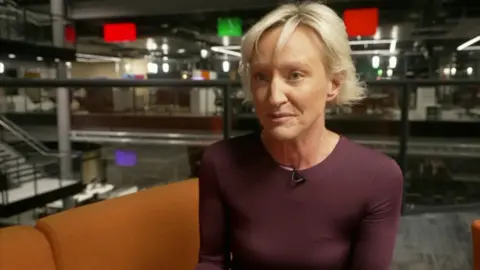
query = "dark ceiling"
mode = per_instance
[{"x": 423, "y": 25}]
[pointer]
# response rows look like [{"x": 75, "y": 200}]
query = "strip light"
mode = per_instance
[
  {"x": 94, "y": 57},
  {"x": 220, "y": 49},
  {"x": 468, "y": 43},
  {"x": 375, "y": 52},
  {"x": 472, "y": 48},
  {"x": 233, "y": 49}
]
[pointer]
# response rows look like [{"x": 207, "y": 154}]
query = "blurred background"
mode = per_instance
[{"x": 133, "y": 91}]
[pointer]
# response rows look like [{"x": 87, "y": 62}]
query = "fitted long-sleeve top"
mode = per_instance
[{"x": 344, "y": 216}]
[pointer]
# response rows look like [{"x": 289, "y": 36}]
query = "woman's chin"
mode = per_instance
[{"x": 282, "y": 133}]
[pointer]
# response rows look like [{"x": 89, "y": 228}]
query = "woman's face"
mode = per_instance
[{"x": 290, "y": 87}]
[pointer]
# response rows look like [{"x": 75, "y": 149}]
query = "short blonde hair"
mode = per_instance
[{"x": 330, "y": 28}]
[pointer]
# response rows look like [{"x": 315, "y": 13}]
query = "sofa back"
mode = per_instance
[
  {"x": 152, "y": 229},
  {"x": 24, "y": 248},
  {"x": 476, "y": 244}
]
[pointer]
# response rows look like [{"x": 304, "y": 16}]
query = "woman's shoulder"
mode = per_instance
[
  {"x": 369, "y": 159},
  {"x": 359, "y": 149}
]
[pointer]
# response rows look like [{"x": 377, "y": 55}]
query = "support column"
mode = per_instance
[{"x": 63, "y": 94}]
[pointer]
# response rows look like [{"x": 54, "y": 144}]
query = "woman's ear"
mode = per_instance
[{"x": 335, "y": 85}]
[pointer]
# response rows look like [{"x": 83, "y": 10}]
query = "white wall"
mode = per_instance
[
  {"x": 111, "y": 70},
  {"x": 81, "y": 70}
]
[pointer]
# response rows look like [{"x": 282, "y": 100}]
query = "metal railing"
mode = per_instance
[
  {"x": 403, "y": 90},
  {"x": 31, "y": 179},
  {"x": 27, "y": 138},
  {"x": 405, "y": 87}
]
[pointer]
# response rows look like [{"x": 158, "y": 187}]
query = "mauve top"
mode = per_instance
[{"x": 344, "y": 216}]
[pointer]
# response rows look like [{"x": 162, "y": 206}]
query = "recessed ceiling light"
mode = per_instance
[{"x": 181, "y": 50}]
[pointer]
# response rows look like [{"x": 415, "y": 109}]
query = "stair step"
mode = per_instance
[
  {"x": 19, "y": 173},
  {"x": 15, "y": 167},
  {"x": 27, "y": 178}
]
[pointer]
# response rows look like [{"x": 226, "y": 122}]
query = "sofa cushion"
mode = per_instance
[
  {"x": 476, "y": 244},
  {"x": 151, "y": 229},
  {"x": 24, "y": 248}
]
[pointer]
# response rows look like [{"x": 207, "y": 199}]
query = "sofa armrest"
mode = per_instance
[{"x": 24, "y": 248}]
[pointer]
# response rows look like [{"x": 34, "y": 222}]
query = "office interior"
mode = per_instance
[{"x": 135, "y": 94}]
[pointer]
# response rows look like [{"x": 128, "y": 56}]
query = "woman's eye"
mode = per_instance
[
  {"x": 259, "y": 77},
  {"x": 294, "y": 76}
]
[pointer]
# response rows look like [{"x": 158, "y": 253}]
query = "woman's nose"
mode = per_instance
[{"x": 276, "y": 93}]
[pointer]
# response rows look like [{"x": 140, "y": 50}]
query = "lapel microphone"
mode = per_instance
[{"x": 297, "y": 177}]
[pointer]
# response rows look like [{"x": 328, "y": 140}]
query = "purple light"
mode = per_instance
[{"x": 124, "y": 158}]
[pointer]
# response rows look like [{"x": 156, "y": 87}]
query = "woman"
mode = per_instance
[{"x": 297, "y": 196}]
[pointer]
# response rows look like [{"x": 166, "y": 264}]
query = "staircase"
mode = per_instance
[
  {"x": 29, "y": 172},
  {"x": 15, "y": 168}
]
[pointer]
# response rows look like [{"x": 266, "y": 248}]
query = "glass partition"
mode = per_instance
[
  {"x": 161, "y": 128},
  {"x": 19, "y": 24}
]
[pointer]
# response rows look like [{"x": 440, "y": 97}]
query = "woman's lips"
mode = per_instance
[{"x": 280, "y": 117}]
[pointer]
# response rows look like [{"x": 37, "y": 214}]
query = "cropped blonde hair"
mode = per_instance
[{"x": 329, "y": 27}]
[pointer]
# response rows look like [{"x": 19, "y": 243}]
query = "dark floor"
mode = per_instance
[{"x": 440, "y": 241}]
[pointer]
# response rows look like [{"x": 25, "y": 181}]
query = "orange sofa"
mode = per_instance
[
  {"x": 155, "y": 229},
  {"x": 476, "y": 244}
]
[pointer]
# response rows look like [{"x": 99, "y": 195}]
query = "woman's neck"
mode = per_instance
[{"x": 305, "y": 151}]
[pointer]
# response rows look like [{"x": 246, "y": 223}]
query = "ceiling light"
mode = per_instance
[
  {"x": 393, "y": 46},
  {"x": 164, "y": 47},
  {"x": 376, "y": 61},
  {"x": 446, "y": 71},
  {"x": 468, "y": 43},
  {"x": 377, "y": 34},
  {"x": 368, "y": 42},
  {"x": 226, "y": 66},
  {"x": 100, "y": 58},
  {"x": 151, "y": 44},
  {"x": 453, "y": 71},
  {"x": 225, "y": 41},
  {"x": 389, "y": 72},
  {"x": 2, "y": 68},
  {"x": 392, "y": 62},
  {"x": 225, "y": 51},
  {"x": 370, "y": 52},
  {"x": 469, "y": 70},
  {"x": 11, "y": 56},
  {"x": 165, "y": 58},
  {"x": 165, "y": 67},
  {"x": 394, "y": 33},
  {"x": 181, "y": 50},
  {"x": 152, "y": 68},
  {"x": 39, "y": 58},
  {"x": 204, "y": 53}
]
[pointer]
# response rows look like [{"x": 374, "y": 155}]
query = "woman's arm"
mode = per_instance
[
  {"x": 374, "y": 245},
  {"x": 214, "y": 250}
]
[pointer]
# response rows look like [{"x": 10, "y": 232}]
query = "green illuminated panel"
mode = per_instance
[{"x": 230, "y": 27}]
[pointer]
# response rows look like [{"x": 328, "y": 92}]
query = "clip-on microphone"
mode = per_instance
[{"x": 297, "y": 177}]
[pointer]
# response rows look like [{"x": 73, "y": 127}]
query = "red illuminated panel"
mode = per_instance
[
  {"x": 70, "y": 34},
  {"x": 361, "y": 22},
  {"x": 119, "y": 32}
]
